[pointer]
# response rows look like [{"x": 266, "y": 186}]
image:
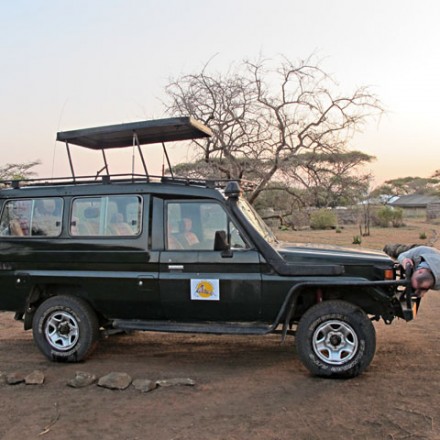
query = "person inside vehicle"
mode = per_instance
[
  {"x": 425, "y": 262},
  {"x": 186, "y": 235},
  {"x": 17, "y": 219},
  {"x": 46, "y": 222},
  {"x": 118, "y": 226}
]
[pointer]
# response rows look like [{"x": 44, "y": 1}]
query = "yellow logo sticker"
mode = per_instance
[
  {"x": 207, "y": 290},
  {"x": 204, "y": 289}
]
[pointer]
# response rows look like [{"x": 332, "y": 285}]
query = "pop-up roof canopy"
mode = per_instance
[
  {"x": 134, "y": 134},
  {"x": 146, "y": 132}
]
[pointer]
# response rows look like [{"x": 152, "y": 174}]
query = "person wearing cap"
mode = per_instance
[{"x": 425, "y": 262}]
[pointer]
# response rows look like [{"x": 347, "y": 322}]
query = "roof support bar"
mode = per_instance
[
  {"x": 104, "y": 168},
  {"x": 168, "y": 159},
  {"x": 105, "y": 162},
  {"x": 136, "y": 142},
  {"x": 70, "y": 161}
]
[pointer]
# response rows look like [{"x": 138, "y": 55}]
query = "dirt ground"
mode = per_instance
[{"x": 246, "y": 388}]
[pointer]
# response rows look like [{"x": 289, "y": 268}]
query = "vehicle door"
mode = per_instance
[
  {"x": 198, "y": 280},
  {"x": 96, "y": 244},
  {"x": 111, "y": 237}
]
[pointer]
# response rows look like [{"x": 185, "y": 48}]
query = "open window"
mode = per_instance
[
  {"x": 114, "y": 216},
  {"x": 193, "y": 225},
  {"x": 38, "y": 217}
]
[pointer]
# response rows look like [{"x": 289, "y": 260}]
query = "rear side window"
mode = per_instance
[
  {"x": 106, "y": 216},
  {"x": 32, "y": 217}
]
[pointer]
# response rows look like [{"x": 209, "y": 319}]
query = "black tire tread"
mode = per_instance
[
  {"x": 355, "y": 316},
  {"x": 77, "y": 306}
]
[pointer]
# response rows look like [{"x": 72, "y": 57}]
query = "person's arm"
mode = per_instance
[
  {"x": 412, "y": 256},
  {"x": 404, "y": 256},
  {"x": 407, "y": 261}
]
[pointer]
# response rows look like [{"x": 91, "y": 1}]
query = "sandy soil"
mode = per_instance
[{"x": 246, "y": 388}]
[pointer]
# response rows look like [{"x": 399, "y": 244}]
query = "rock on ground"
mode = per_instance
[
  {"x": 177, "y": 381},
  {"x": 82, "y": 379},
  {"x": 15, "y": 378},
  {"x": 115, "y": 381},
  {"x": 35, "y": 378},
  {"x": 144, "y": 385}
]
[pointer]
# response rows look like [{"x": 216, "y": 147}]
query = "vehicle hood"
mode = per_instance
[{"x": 328, "y": 254}]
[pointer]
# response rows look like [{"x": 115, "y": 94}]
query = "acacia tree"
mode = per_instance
[
  {"x": 328, "y": 179},
  {"x": 14, "y": 171},
  {"x": 265, "y": 114},
  {"x": 409, "y": 185}
]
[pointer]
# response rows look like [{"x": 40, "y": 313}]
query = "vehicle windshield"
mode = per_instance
[{"x": 256, "y": 221}]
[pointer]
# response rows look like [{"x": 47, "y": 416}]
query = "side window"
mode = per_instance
[
  {"x": 193, "y": 225},
  {"x": 32, "y": 218},
  {"x": 106, "y": 216}
]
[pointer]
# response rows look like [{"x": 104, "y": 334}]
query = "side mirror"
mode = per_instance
[
  {"x": 221, "y": 244},
  {"x": 220, "y": 241}
]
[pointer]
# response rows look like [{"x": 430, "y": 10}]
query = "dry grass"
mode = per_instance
[{"x": 379, "y": 237}]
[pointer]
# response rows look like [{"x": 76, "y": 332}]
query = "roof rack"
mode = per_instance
[
  {"x": 119, "y": 179},
  {"x": 208, "y": 183},
  {"x": 134, "y": 134},
  {"x": 78, "y": 180}
]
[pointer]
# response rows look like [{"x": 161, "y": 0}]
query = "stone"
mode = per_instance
[
  {"x": 144, "y": 385},
  {"x": 35, "y": 378},
  {"x": 115, "y": 381},
  {"x": 14, "y": 378},
  {"x": 2, "y": 378},
  {"x": 176, "y": 381},
  {"x": 82, "y": 379}
]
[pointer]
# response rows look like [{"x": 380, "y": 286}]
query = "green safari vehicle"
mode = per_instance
[{"x": 90, "y": 254}]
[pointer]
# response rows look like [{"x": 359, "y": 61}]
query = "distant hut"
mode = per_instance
[{"x": 414, "y": 205}]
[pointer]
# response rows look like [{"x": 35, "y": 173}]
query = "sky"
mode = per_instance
[{"x": 70, "y": 65}]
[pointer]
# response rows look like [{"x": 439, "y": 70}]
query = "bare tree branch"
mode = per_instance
[{"x": 266, "y": 113}]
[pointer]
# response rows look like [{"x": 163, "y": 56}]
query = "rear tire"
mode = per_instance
[
  {"x": 335, "y": 339},
  {"x": 65, "y": 329}
]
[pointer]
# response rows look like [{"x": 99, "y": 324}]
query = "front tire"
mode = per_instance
[
  {"x": 65, "y": 329},
  {"x": 335, "y": 339}
]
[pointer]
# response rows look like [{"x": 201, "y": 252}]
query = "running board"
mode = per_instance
[{"x": 234, "y": 328}]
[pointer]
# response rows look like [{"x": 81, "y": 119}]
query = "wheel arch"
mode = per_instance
[
  {"x": 366, "y": 298},
  {"x": 40, "y": 292},
  {"x": 367, "y": 295}
]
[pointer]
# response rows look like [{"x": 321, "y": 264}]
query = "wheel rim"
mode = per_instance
[
  {"x": 61, "y": 331},
  {"x": 335, "y": 342}
]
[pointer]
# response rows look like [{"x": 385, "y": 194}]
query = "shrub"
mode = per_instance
[
  {"x": 397, "y": 219},
  {"x": 357, "y": 239},
  {"x": 323, "y": 219},
  {"x": 387, "y": 215},
  {"x": 422, "y": 236}
]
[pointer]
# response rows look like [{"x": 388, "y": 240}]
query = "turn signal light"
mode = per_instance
[{"x": 388, "y": 274}]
